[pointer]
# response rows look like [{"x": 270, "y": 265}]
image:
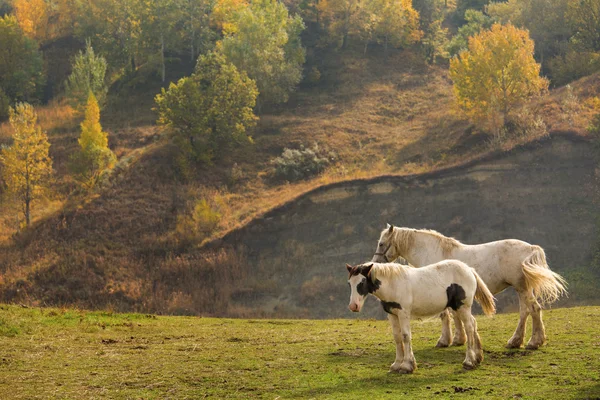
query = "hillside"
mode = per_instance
[
  {"x": 129, "y": 246},
  {"x": 76, "y": 354}
]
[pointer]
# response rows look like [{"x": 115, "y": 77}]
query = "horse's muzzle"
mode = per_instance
[{"x": 354, "y": 307}]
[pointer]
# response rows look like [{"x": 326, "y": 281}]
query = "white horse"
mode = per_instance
[
  {"x": 500, "y": 264},
  {"x": 407, "y": 292}
]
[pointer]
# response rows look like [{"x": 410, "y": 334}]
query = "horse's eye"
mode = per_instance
[{"x": 380, "y": 244}]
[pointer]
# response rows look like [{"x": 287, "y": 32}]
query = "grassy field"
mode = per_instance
[{"x": 53, "y": 353}]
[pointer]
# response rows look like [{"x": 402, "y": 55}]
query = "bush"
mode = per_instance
[
  {"x": 594, "y": 126},
  {"x": 198, "y": 224},
  {"x": 525, "y": 124},
  {"x": 295, "y": 165},
  {"x": 573, "y": 65}
]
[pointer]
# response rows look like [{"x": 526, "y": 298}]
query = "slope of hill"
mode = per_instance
[
  {"x": 128, "y": 246},
  {"x": 75, "y": 354}
]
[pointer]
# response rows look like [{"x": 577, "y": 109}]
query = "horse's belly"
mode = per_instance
[{"x": 429, "y": 305}]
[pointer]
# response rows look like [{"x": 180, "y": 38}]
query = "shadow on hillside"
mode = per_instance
[{"x": 346, "y": 76}]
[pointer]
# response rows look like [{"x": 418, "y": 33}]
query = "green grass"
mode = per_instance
[{"x": 52, "y": 353}]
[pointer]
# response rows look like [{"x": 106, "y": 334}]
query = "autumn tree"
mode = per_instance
[
  {"x": 395, "y": 22},
  {"x": 340, "y": 17},
  {"x": 211, "y": 110},
  {"x": 21, "y": 64},
  {"x": 267, "y": 46},
  {"x": 94, "y": 156},
  {"x": 27, "y": 167},
  {"x": 32, "y": 16},
  {"x": 88, "y": 75},
  {"x": 496, "y": 73}
]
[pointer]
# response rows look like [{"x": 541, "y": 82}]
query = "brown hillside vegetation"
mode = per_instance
[{"x": 130, "y": 246}]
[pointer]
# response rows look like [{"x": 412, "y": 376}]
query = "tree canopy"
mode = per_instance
[
  {"x": 496, "y": 73},
  {"x": 210, "y": 110},
  {"x": 27, "y": 166}
]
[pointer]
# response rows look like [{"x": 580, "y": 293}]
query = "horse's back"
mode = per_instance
[
  {"x": 499, "y": 263},
  {"x": 435, "y": 284}
]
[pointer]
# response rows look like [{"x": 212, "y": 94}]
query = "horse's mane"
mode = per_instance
[
  {"x": 388, "y": 270},
  {"x": 446, "y": 243},
  {"x": 404, "y": 239}
]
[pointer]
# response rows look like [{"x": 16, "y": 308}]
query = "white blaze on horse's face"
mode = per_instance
[
  {"x": 358, "y": 286},
  {"x": 384, "y": 250}
]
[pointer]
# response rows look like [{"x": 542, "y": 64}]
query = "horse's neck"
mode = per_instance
[{"x": 425, "y": 250}]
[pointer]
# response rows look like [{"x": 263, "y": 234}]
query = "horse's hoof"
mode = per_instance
[
  {"x": 441, "y": 344},
  {"x": 469, "y": 365},
  {"x": 458, "y": 343},
  {"x": 513, "y": 344}
]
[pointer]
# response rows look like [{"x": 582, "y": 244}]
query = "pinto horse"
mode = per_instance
[
  {"x": 407, "y": 292},
  {"x": 500, "y": 264}
]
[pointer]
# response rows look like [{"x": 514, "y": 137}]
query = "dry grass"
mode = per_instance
[{"x": 120, "y": 248}]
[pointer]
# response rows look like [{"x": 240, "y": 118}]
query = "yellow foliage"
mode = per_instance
[
  {"x": 27, "y": 166},
  {"x": 225, "y": 12},
  {"x": 496, "y": 73},
  {"x": 91, "y": 130},
  {"x": 32, "y": 16}
]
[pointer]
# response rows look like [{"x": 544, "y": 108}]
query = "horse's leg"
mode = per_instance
[
  {"x": 517, "y": 338},
  {"x": 446, "y": 338},
  {"x": 460, "y": 336},
  {"x": 473, "y": 343},
  {"x": 538, "y": 334},
  {"x": 409, "y": 365},
  {"x": 396, "y": 331}
]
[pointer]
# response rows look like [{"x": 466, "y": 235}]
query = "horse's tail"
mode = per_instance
[
  {"x": 547, "y": 286},
  {"x": 483, "y": 295}
]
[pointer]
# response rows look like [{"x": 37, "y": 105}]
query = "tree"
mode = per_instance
[
  {"x": 396, "y": 22},
  {"x": 211, "y": 110},
  {"x": 475, "y": 22},
  {"x": 21, "y": 64},
  {"x": 94, "y": 156},
  {"x": 27, "y": 166},
  {"x": 584, "y": 17},
  {"x": 266, "y": 45},
  {"x": 87, "y": 77},
  {"x": 340, "y": 18},
  {"x": 496, "y": 73},
  {"x": 32, "y": 16}
]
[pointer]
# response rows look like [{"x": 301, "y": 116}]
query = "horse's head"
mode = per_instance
[
  {"x": 359, "y": 280},
  {"x": 385, "y": 251}
]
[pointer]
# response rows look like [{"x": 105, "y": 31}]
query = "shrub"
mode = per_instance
[
  {"x": 294, "y": 165},
  {"x": 197, "y": 224},
  {"x": 594, "y": 126}
]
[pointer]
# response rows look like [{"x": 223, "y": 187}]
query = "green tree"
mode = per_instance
[
  {"x": 210, "y": 110},
  {"x": 475, "y": 22},
  {"x": 584, "y": 17},
  {"x": 266, "y": 45},
  {"x": 94, "y": 156},
  {"x": 21, "y": 64},
  {"x": 88, "y": 75},
  {"x": 116, "y": 29},
  {"x": 27, "y": 166},
  {"x": 496, "y": 73}
]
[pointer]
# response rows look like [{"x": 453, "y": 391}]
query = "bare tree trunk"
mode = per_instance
[
  {"x": 28, "y": 206},
  {"x": 162, "y": 57},
  {"x": 193, "y": 38}
]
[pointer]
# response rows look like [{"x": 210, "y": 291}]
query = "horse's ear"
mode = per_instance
[
  {"x": 349, "y": 267},
  {"x": 367, "y": 270},
  {"x": 390, "y": 228}
]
